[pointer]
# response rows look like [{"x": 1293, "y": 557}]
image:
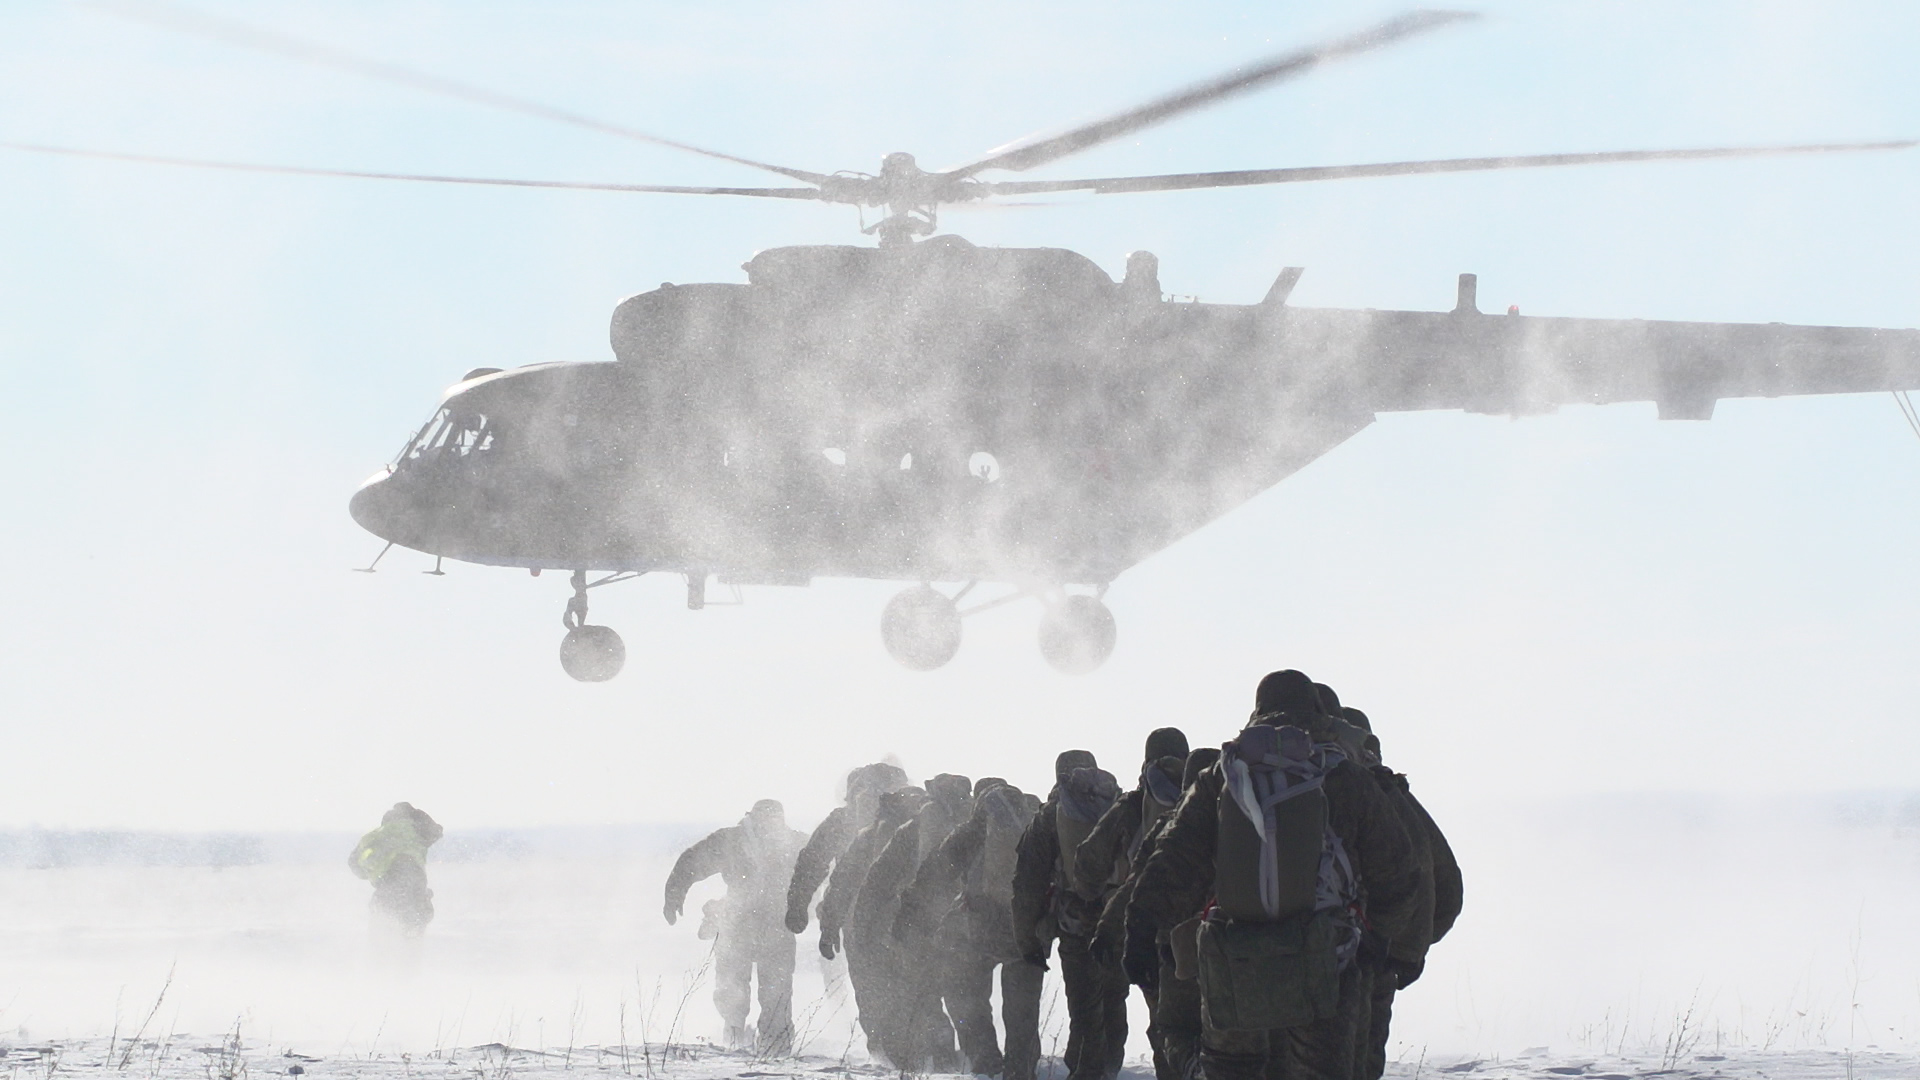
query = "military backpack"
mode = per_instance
[
  {"x": 1284, "y": 920},
  {"x": 1080, "y": 800}
]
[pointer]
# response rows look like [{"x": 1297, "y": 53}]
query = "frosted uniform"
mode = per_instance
[
  {"x": 1437, "y": 904},
  {"x": 1046, "y": 905},
  {"x": 1180, "y": 876},
  {"x": 394, "y": 858},
  {"x": 865, "y": 959},
  {"x": 915, "y": 1035},
  {"x": 755, "y": 858},
  {"x": 835, "y": 833},
  {"x": 1114, "y": 852},
  {"x": 961, "y": 902}
]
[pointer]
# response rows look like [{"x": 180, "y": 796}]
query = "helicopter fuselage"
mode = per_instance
[
  {"x": 948, "y": 412},
  {"x": 938, "y": 412}
]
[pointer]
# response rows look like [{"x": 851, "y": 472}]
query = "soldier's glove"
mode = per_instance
[
  {"x": 1406, "y": 972},
  {"x": 1140, "y": 954},
  {"x": 1037, "y": 959},
  {"x": 1100, "y": 949},
  {"x": 1142, "y": 965},
  {"x": 796, "y": 920},
  {"x": 829, "y": 943},
  {"x": 1372, "y": 955},
  {"x": 672, "y": 912}
]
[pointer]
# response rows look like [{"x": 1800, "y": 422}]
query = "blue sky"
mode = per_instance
[{"x": 200, "y": 368}]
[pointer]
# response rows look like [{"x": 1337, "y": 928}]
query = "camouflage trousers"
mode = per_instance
[
  {"x": 1175, "y": 1030},
  {"x": 1096, "y": 1013},
  {"x": 1323, "y": 1050},
  {"x": 740, "y": 953},
  {"x": 969, "y": 997}
]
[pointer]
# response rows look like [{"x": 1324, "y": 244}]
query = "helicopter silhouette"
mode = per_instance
[{"x": 931, "y": 411}]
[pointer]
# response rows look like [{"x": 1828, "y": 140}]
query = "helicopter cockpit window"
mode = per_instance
[
  {"x": 449, "y": 435},
  {"x": 430, "y": 436},
  {"x": 984, "y": 466},
  {"x": 471, "y": 435}
]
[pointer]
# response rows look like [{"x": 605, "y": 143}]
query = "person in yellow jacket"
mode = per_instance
[{"x": 394, "y": 858}]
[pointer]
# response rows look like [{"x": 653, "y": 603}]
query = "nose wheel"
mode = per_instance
[{"x": 588, "y": 653}]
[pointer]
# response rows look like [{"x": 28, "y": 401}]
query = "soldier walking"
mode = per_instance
[
  {"x": 755, "y": 858},
  {"x": 1312, "y": 879},
  {"x": 835, "y": 834},
  {"x": 394, "y": 858},
  {"x": 1050, "y": 903},
  {"x": 959, "y": 909}
]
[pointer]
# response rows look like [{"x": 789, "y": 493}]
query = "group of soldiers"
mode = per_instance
[{"x": 1267, "y": 899}]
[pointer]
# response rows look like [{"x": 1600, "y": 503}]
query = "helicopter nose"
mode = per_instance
[{"x": 376, "y": 507}]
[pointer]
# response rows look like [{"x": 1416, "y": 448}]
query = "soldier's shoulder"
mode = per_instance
[{"x": 1351, "y": 781}]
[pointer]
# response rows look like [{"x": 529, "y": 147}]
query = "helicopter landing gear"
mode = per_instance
[
  {"x": 921, "y": 628},
  {"x": 588, "y": 653},
  {"x": 1077, "y": 634},
  {"x": 592, "y": 653}
]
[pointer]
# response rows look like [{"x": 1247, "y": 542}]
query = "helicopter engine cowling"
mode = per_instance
[{"x": 688, "y": 323}]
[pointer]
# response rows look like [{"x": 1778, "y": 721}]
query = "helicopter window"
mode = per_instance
[
  {"x": 984, "y": 466},
  {"x": 906, "y": 462},
  {"x": 470, "y": 435},
  {"x": 454, "y": 435},
  {"x": 432, "y": 435},
  {"x": 835, "y": 455}
]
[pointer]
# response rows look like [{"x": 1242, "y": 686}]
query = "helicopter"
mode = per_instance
[{"x": 930, "y": 411}]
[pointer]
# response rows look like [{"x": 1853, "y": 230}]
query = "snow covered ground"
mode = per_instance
[
  {"x": 1606, "y": 935},
  {"x": 186, "y": 1057}
]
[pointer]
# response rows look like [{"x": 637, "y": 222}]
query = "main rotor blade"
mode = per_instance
[
  {"x": 1026, "y": 153},
  {"x": 232, "y": 32},
  {"x": 296, "y": 170},
  {"x": 1181, "y": 181}
]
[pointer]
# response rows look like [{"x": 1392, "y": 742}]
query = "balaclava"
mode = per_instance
[
  {"x": 1285, "y": 691},
  {"x": 1070, "y": 760},
  {"x": 951, "y": 790},
  {"x": 1329, "y": 701},
  {"x": 1166, "y": 742},
  {"x": 1198, "y": 762}
]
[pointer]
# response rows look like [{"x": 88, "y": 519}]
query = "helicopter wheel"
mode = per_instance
[
  {"x": 1077, "y": 635},
  {"x": 920, "y": 628},
  {"x": 592, "y": 653}
]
